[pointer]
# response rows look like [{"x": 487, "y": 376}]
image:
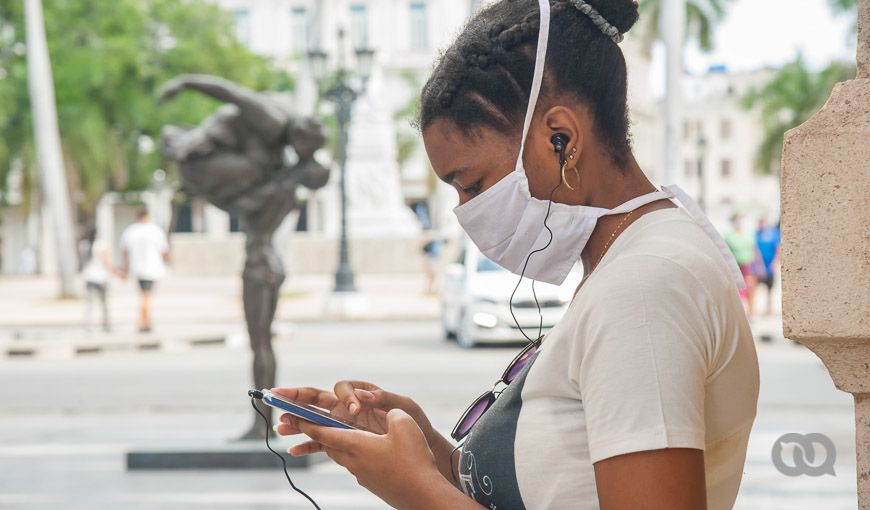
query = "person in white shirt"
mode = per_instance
[
  {"x": 146, "y": 252},
  {"x": 96, "y": 272}
]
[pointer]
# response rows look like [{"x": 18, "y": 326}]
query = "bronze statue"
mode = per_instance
[{"x": 248, "y": 159}]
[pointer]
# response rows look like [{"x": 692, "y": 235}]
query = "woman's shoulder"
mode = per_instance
[{"x": 662, "y": 254}]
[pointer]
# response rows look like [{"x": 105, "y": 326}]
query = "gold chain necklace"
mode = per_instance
[{"x": 606, "y": 245}]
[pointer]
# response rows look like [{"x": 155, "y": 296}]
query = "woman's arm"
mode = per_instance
[
  {"x": 443, "y": 495},
  {"x": 398, "y": 465},
  {"x": 666, "y": 479},
  {"x": 446, "y": 456}
]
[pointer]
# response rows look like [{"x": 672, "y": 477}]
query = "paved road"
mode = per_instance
[{"x": 66, "y": 447}]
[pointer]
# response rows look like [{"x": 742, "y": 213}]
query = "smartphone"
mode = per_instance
[{"x": 306, "y": 411}]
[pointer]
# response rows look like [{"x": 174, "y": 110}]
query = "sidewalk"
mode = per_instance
[{"x": 191, "y": 311}]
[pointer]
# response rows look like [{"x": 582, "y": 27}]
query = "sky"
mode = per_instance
[
  {"x": 760, "y": 33},
  {"x": 757, "y": 33}
]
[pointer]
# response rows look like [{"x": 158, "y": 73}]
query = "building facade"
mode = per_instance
[{"x": 720, "y": 143}]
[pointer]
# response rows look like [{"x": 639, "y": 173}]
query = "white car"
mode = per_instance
[{"x": 474, "y": 302}]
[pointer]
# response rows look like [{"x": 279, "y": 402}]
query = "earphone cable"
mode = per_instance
[
  {"x": 283, "y": 460},
  {"x": 523, "y": 272},
  {"x": 452, "y": 472}
]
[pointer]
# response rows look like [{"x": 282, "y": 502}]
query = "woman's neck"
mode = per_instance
[{"x": 615, "y": 187}]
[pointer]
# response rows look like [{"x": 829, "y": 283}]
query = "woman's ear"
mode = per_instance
[{"x": 560, "y": 119}]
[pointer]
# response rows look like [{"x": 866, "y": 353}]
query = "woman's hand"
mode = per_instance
[
  {"x": 396, "y": 465},
  {"x": 359, "y": 402},
  {"x": 367, "y": 405}
]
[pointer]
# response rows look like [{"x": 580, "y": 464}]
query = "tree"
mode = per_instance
[
  {"x": 843, "y": 5},
  {"x": 846, "y": 7},
  {"x": 792, "y": 96},
  {"x": 108, "y": 60},
  {"x": 407, "y": 137},
  {"x": 701, "y": 17}
]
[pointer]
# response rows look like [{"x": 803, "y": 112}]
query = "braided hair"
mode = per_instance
[{"x": 484, "y": 78}]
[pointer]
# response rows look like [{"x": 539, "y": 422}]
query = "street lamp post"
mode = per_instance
[{"x": 343, "y": 96}]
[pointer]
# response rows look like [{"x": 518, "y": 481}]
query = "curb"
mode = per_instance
[{"x": 81, "y": 349}]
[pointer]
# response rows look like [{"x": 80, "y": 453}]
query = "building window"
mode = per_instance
[
  {"x": 243, "y": 25},
  {"x": 726, "y": 168},
  {"x": 419, "y": 27},
  {"x": 359, "y": 25},
  {"x": 299, "y": 28},
  {"x": 725, "y": 129},
  {"x": 687, "y": 130}
]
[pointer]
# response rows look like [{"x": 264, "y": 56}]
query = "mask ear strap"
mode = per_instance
[{"x": 540, "y": 60}]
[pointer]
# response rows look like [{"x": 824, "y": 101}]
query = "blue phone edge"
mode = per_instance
[{"x": 303, "y": 413}]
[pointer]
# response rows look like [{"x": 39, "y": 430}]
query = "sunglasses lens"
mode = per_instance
[
  {"x": 474, "y": 413},
  {"x": 519, "y": 364}
]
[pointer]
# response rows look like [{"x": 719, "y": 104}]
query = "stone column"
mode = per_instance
[{"x": 826, "y": 241}]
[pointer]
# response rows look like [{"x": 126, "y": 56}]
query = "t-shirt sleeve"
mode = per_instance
[{"x": 643, "y": 353}]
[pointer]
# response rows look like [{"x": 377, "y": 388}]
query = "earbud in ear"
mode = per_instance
[{"x": 560, "y": 142}]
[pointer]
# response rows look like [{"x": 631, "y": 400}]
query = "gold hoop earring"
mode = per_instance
[{"x": 564, "y": 180}]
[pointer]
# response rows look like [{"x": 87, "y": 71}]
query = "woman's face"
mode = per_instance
[{"x": 473, "y": 164}]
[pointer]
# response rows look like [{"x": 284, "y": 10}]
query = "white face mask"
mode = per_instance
[{"x": 508, "y": 224}]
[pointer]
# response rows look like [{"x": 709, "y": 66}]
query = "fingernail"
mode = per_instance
[
  {"x": 352, "y": 407},
  {"x": 365, "y": 394}
]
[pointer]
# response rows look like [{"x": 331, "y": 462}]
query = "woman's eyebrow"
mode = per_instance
[{"x": 451, "y": 175}]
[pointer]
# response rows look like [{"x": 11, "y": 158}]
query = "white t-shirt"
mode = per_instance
[
  {"x": 94, "y": 270},
  {"x": 145, "y": 244},
  {"x": 654, "y": 351}
]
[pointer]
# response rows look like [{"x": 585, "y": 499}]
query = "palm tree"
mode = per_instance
[
  {"x": 792, "y": 96},
  {"x": 701, "y": 17},
  {"x": 843, "y": 5},
  {"x": 406, "y": 137},
  {"x": 846, "y": 7}
]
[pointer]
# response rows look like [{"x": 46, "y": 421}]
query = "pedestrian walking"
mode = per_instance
[
  {"x": 742, "y": 245},
  {"x": 431, "y": 253},
  {"x": 146, "y": 252},
  {"x": 767, "y": 241},
  {"x": 96, "y": 272},
  {"x": 645, "y": 392}
]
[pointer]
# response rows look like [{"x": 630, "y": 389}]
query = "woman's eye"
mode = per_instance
[{"x": 473, "y": 189}]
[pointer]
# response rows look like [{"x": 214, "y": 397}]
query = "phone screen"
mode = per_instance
[{"x": 310, "y": 408}]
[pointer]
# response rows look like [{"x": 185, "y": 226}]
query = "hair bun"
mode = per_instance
[{"x": 622, "y": 14}]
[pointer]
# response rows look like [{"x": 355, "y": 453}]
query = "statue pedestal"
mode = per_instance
[
  {"x": 234, "y": 455},
  {"x": 345, "y": 305},
  {"x": 376, "y": 206}
]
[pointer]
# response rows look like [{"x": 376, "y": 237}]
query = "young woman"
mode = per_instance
[{"x": 643, "y": 396}]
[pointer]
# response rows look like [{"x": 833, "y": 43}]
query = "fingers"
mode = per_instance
[
  {"x": 340, "y": 439},
  {"x": 380, "y": 398},
  {"x": 308, "y": 395},
  {"x": 286, "y": 429},
  {"x": 344, "y": 391},
  {"x": 306, "y": 448}
]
